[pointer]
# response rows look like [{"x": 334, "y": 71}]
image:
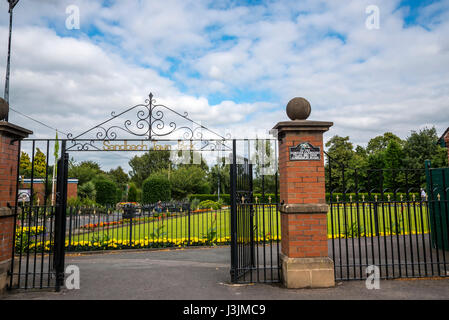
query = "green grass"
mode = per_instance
[
  {"x": 213, "y": 224},
  {"x": 343, "y": 221},
  {"x": 359, "y": 220}
]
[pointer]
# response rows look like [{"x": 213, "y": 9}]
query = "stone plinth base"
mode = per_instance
[
  {"x": 4, "y": 278},
  {"x": 307, "y": 272}
]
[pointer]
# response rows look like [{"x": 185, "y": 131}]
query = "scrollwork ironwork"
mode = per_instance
[{"x": 150, "y": 123}]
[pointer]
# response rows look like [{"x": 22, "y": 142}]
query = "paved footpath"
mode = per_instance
[{"x": 203, "y": 273}]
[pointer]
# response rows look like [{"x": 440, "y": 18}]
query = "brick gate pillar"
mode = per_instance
[
  {"x": 304, "y": 256},
  {"x": 10, "y": 135}
]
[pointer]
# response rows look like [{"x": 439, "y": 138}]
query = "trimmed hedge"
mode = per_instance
[
  {"x": 106, "y": 192},
  {"x": 156, "y": 188},
  {"x": 132, "y": 193}
]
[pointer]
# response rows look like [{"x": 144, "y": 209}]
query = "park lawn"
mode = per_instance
[
  {"x": 213, "y": 224},
  {"x": 359, "y": 219},
  {"x": 345, "y": 221}
]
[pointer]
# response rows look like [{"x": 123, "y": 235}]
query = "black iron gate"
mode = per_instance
[
  {"x": 255, "y": 227},
  {"x": 384, "y": 218},
  {"x": 39, "y": 232},
  {"x": 60, "y": 218}
]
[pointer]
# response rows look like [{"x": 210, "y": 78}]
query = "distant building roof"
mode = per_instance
[{"x": 441, "y": 141}]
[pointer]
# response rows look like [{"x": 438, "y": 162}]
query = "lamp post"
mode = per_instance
[{"x": 12, "y": 4}]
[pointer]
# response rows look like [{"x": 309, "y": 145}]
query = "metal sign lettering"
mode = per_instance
[{"x": 305, "y": 151}]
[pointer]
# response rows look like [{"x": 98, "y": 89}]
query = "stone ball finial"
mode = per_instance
[
  {"x": 298, "y": 109},
  {"x": 4, "y": 109}
]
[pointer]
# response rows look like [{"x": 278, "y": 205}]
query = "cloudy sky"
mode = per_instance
[{"x": 233, "y": 65}]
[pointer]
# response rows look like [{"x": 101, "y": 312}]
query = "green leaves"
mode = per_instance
[
  {"x": 188, "y": 180},
  {"x": 386, "y": 151},
  {"x": 143, "y": 166},
  {"x": 87, "y": 190},
  {"x": 132, "y": 193},
  {"x": 156, "y": 188},
  {"x": 40, "y": 164},
  {"x": 106, "y": 192}
]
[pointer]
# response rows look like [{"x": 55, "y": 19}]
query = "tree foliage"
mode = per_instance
[
  {"x": 85, "y": 171},
  {"x": 148, "y": 163},
  {"x": 186, "y": 180},
  {"x": 364, "y": 167},
  {"x": 40, "y": 164},
  {"x": 219, "y": 175},
  {"x": 132, "y": 192},
  {"x": 87, "y": 190},
  {"x": 25, "y": 164},
  {"x": 106, "y": 193},
  {"x": 156, "y": 188}
]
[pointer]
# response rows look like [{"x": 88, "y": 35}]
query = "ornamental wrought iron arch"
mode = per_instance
[{"x": 150, "y": 124}]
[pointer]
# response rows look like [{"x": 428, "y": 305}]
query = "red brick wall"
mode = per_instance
[
  {"x": 8, "y": 181},
  {"x": 6, "y": 238},
  {"x": 304, "y": 235},
  {"x": 39, "y": 190},
  {"x": 302, "y": 181},
  {"x": 8, "y": 170}
]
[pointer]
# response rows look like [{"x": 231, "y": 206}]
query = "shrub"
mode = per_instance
[
  {"x": 194, "y": 203},
  {"x": 106, "y": 192},
  {"x": 87, "y": 190},
  {"x": 80, "y": 202},
  {"x": 155, "y": 188},
  {"x": 118, "y": 194},
  {"x": 207, "y": 204},
  {"x": 132, "y": 193},
  {"x": 74, "y": 202},
  {"x": 139, "y": 195}
]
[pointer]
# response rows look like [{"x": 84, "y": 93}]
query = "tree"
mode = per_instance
[
  {"x": 188, "y": 180},
  {"x": 380, "y": 143},
  {"x": 84, "y": 171},
  {"x": 264, "y": 167},
  {"x": 118, "y": 175},
  {"x": 421, "y": 146},
  {"x": 156, "y": 188},
  {"x": 219, "y": 174},
  {"x": 393, "y": 162},
  {"x": 106, "y": 193},
  {"x": 25, "y": 165},
  {"x": 40, "y": 164},
  {"x": 120, "y": 178},
  {"x": 341, "y": 156},
  {"x": 143, "y": 166},
  {"x": 132, "y": 192},
  {"x": 87, "y": 190}
]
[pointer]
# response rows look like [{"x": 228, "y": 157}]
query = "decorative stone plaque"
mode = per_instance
[{"x": 305, "y": 151}]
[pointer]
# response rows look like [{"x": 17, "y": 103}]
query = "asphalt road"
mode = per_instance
[{"x": 203, "y": 273}]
